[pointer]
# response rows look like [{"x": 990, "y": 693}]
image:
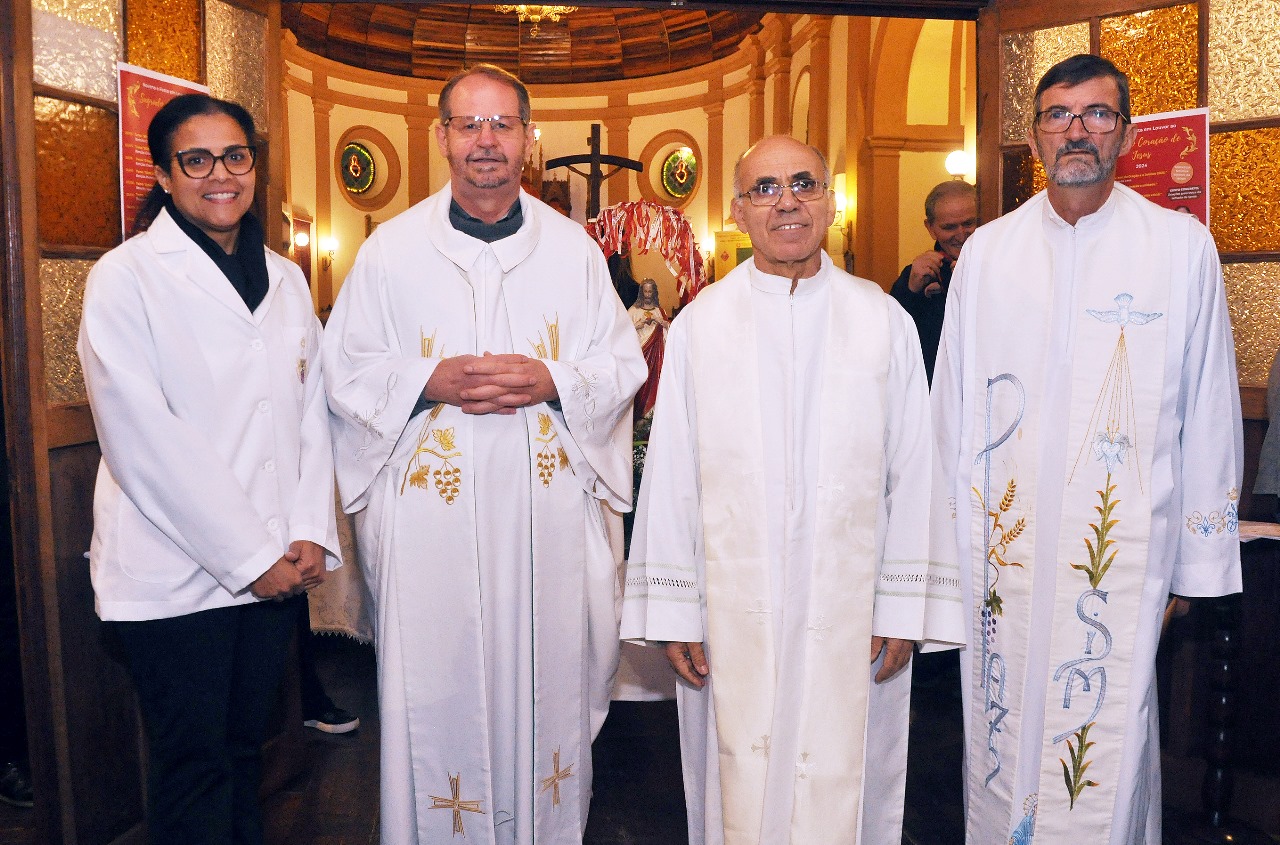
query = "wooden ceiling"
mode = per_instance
[
  {"x": 596, "y": 43},
  {"x": 433, "y": 41}
]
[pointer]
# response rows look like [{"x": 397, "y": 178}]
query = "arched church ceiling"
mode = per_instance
[{"x": 596, "y": 43}]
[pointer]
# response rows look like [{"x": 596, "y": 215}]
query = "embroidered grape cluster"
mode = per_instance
[
  {"x": 988, "y": 624},
  {"x": 546, "y": 466},
  {"x": 448, "y": 481}
]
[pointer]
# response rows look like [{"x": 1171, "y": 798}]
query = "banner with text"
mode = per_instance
[
  {"x": 1169, "y": 162},
  {"x": 142, "y": 93}
]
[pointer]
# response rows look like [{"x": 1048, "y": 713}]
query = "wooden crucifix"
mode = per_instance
[{"x": 595, "y": 176}]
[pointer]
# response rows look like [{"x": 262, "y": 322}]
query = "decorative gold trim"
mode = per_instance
[
  {"x": 447, "y": 478},
  {"x": 553, "y": 781},
  {"x": 548, "y": 346},
  {"x": 455, "y": 803}
]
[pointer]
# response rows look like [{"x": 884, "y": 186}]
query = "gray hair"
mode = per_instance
[
  {"x": 947, "y": 190},
  {"x": 493, "y": 72}
]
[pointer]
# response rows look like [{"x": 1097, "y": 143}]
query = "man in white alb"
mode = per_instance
[
  {"x": 781, "y": 542},
  {"x": 1088, "y": 422},
  {"x": 480, "y": 371}
]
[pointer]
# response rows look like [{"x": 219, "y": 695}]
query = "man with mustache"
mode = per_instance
[
  {"x": 480, "y": 397},
  {"x": 950, "y": 216},
  {"x": 781, "y": 530},
  {"x": 1087, "y": 415}
]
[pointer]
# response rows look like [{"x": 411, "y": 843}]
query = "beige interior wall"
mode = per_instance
[{"x": 918, "y": 173}]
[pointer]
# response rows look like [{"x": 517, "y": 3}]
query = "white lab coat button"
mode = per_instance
[
  {"x": 258, "y": 345},
  {"x": 273, "y": 524},
  {"x": 264, "y": 406},
  {"x": 269, "y": 466}
]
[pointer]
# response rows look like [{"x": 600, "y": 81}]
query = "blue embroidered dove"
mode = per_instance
[{"x": 1123, "y": 314}]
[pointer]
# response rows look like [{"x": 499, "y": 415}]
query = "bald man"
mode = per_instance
[{"x": 780, "y": 554}]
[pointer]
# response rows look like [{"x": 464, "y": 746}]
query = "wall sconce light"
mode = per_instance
[
  {"x": 958, "y": 163},
  {"x": 301, "y": 240},
  {"x": 328, "y": 246}
]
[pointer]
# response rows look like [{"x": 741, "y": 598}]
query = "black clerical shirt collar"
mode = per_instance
[
  {"x": 246, "y": 268},
  {"x": 487, "y": 232}
]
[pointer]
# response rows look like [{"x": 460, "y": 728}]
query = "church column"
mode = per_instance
[
  {"x": 321, "y": 109},
  {"x": 617, "y": 125},
  {"x": 419, "y": 121},
  {"x": 713, "y": 166},
  {"x": 755, "y": 91},
  {"x": 779, "y": 69},
  {"x": 881, "y": 264},
  {"x": 819, "y": 86}
]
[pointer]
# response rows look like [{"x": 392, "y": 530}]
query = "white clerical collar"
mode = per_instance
[
  {"x": 781, "y": 285},
  {"x": 1097, "y": 218}
]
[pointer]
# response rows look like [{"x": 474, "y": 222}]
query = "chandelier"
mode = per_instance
[{"x": 534, "y": 13}]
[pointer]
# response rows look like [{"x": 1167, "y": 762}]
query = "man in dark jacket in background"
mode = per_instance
[{"x": 950, "y": 216}]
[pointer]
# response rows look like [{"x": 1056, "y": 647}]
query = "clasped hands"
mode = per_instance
[
  {"x": 490, "y": 384},
  {"x": 690, "y": 659},
  {"x": 299, "y": 569}
]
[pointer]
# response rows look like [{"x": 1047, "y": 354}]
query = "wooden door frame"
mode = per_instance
[{"x": 22, "y": 395}]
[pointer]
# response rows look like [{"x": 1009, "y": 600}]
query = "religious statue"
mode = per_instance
[{"x": 651, "y": 324}]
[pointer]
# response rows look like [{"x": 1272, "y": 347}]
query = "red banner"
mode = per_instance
[
  {"x": 142, "y": 94},
  {"x": 1169, "y": 162}
]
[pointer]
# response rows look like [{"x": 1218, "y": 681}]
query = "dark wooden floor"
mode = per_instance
[{"x": 638, "y": 799}]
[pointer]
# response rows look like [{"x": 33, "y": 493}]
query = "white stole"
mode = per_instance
[
  {"x": 1116, "y": 332},
  {"x": 828, "y": 784}
]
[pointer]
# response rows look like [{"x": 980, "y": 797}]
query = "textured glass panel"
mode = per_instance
[
  {"x": 1025, "y": 57},
  {"x": 77, "y": 174},
  {"x": 1244, "y": 190},
  {"x": 1244, "y": 59},
  {"x": 62, "y": 298},
  {"x": 1024, "y": 177},
  {"x": 236, "y": 57},
  {"x": 1159, "y": 50},
  {"x": 73, "y": 55},
  {"x": 164, "y": 36},
  {"x": 103, "y": 15},
  {"x": 1253, "y": 299}
]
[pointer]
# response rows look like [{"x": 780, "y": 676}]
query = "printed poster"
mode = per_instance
[
  {"x": 1169, "y": 162},
  {"x": 142, "y": 93}
]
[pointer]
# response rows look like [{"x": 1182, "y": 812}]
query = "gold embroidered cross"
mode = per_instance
[
  {"x": 761, "y": 745},
  {"x": 456, "y": 803},
  {"x": 558, "y": 774}
]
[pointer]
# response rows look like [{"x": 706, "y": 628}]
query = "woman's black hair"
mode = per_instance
[{"x": 160, "y": 142}]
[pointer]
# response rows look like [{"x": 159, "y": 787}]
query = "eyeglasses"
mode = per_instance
[
  {"x": 502, "y": 125},
  {"x": 1098, "y": 120},
  {"x": 198, "y": 164},
  {"x": 769, "y": 193}
]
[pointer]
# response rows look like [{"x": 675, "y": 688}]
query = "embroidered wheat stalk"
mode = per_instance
[
  {"x": 1074, "y": 775},
  {"x": 1099, "y": 560}
]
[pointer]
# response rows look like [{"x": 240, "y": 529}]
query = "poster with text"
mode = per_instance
[
  {"x": 1169, "y": 162},
  {"x": 142, "y": 93}
]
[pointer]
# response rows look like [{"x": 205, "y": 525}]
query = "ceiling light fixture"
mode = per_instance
[{"x": 535, "y": 13}]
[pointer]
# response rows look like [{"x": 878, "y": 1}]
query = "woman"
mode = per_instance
[{"x": 214, "y": 499}]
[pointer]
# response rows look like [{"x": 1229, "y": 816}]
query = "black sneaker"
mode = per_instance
[
  {"x": 334, "y": 720},
  {"x": 14, "y": 787}
]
